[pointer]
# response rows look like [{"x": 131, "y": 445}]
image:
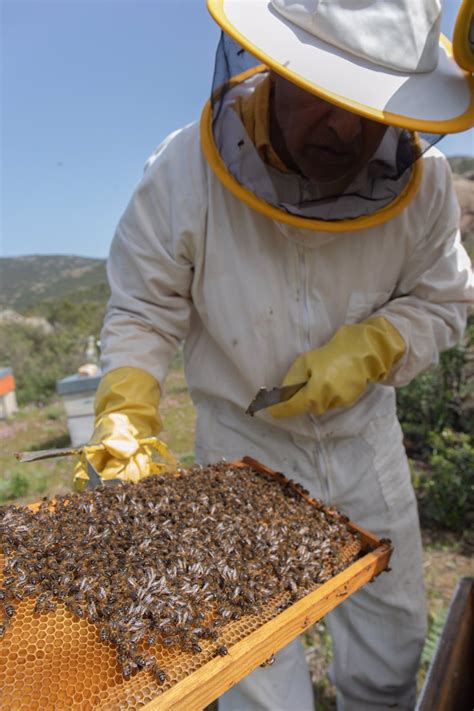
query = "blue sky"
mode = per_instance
[{"x": 89, "y": 88}]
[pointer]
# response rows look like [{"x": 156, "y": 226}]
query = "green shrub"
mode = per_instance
[
  {"x": 83, "y": 312},
  {"x": 19, "y": 480},
  {"x": 14, "y": 486},
  {"x": 445, "y": 488},
  {"x": 439, "y": 398},
  {"x": 39, "y": 359},
  {"x": 436, "y": 622},
  {"x": 436, "y": 411}
]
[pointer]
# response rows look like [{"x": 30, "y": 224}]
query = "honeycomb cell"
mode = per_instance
[
  {"x": 27, "y": 689},
  {"x": 61, "y": 697}
]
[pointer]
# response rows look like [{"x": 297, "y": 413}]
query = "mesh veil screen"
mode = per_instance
[{"x": 379, "y": 180}]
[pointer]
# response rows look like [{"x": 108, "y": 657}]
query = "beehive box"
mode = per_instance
[
  {"x": 449, "y": 684},
  {"x": 56, "y": 661},
  {"x": 8, "y": 404},
  {"x": 78, "y": 394}
]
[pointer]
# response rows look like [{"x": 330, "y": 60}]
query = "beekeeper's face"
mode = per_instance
[{"x": 319, "y": 139}]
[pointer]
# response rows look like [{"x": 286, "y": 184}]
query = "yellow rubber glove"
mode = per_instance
[
  {"x": 126, "y": 407},
  {"x": 339, "y": 372}
]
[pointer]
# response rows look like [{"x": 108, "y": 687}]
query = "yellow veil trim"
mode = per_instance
[{"x": 274, "y": 213}]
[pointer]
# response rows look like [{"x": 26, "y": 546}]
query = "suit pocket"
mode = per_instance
[{"x": 390, "y": 462}]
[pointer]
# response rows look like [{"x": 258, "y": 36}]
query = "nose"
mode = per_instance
[{"x": 346, "y": 125}]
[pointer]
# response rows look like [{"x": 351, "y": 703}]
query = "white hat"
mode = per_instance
[{"x": 383, "y": 59}]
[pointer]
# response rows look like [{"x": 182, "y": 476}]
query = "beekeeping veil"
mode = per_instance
[{"x": 383, "y": 61}]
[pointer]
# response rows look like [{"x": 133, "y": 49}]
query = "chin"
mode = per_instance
[{"x": 328, "y": 174}]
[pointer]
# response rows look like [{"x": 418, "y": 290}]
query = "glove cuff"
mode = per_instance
[
  {"x": 131, "y": 392},
  {"x": 387, "y": 344}
]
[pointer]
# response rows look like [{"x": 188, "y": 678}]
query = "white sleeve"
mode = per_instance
[
  {"x": 150, "y": 267},
  {"x": 436, "y": 289}
]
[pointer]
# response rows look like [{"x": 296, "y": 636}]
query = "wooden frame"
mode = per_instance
[
  {"x": 214, "y": 677},
  {"x": 217, "y": 676}
]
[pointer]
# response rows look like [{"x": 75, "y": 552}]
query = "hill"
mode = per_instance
[
  {"x": 49, "y": 306},
  {"x": 463, "y": 170},
  {"x": 25, "y": 281},
  {"x": 461, "y": 164}
]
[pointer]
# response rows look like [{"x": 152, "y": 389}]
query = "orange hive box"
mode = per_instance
[
  {"x": 7, "y": 382},
  {"x": 56, "y": 661}
]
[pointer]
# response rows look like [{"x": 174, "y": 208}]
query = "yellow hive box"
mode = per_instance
[{"x": 56, "y": 661}]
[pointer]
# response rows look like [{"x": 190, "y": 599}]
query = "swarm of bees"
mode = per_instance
[{"x": 171, "y": 559}]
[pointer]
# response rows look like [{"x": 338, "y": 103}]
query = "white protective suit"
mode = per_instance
[{"x": 247, "y": 294}]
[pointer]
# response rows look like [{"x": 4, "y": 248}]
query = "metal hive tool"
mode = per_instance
[{"x": 56, "y": 661}]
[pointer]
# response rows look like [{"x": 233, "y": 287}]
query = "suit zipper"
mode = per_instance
[{"x": 318, "y": 450}]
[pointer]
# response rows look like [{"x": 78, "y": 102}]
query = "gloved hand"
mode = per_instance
[
  {"x": 339, "y": 372},
  {"x": 126, "y": 407}
]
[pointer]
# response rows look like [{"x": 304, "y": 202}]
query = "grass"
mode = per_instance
[
  {"x": 33, "y": 428},
  {"x": 46, "y": 427},
  {"x": 178, "y": 415}
]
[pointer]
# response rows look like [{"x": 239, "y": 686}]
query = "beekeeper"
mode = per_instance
[{"x": 304, "y": 230}]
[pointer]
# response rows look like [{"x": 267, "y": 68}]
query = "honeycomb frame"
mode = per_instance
[{"x": 57, "y": 661}]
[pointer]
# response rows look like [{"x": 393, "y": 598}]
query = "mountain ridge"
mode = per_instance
[{"x": 29, "y": 279}]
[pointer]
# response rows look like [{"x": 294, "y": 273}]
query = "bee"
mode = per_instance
[
  {"x": 159, "y": 675},
  {"x": 127, "y": 670},
  {"x": 107, "y": 612},
  {"x": 38, "y": 608},
  {"x": 144, "y": 662},
  {"x": 9, "y": 610},
  {"x": 73, "y": 607},
  {"x": 222, "y": 650}
]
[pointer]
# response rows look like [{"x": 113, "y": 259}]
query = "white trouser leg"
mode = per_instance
[
  {"x": 283, "y": 686},
  {"x": 378, "y": 633}
]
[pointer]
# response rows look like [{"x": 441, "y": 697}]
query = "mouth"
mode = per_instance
[{"x": 339, "y": 156}]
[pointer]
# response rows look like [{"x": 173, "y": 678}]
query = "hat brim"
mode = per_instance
[{"x": 441, "y": 101}]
